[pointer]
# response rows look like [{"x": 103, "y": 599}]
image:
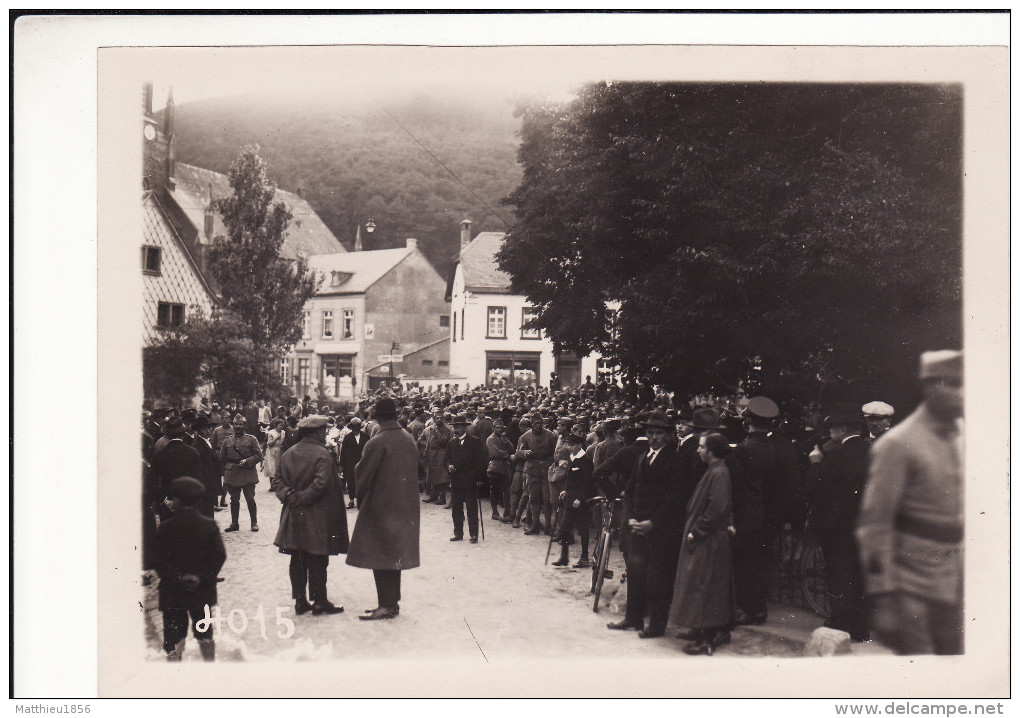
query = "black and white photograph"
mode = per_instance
[{"x": 550, "y": 369}]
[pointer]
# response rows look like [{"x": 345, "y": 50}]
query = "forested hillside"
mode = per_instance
[{"x": 353, "y": 161}]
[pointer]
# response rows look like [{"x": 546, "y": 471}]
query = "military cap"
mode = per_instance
[
  {"x": 239, "y": 421},
  {"x": 942, "y": 364},
  {"x": 611, "y": 424},
  {"x": 877, "y": 408},
  {"x": 312, "y": 421},
  {"x": 762, "y": 407},
  {"x": 186, "y": 487}
]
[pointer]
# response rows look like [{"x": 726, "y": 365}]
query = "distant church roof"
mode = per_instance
[{"x": 306, "y": 233}]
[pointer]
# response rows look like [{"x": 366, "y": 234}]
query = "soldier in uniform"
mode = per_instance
[
  {"x": 239, "y": 454},
  {"x": 537, "y": 447},
  {"x": 910, "y": 527},
  {"x": 435, "y": 438},
  {"x": 499, "y": 449}
]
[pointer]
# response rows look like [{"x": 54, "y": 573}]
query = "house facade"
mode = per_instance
[
  {"x": 371, "y": 306},
  {"x": 489, "y": 340}
]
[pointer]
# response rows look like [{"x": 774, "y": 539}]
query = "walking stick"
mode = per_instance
[
  {"x": 552, "y": 536},
  {"x": 481, "y": 521}
]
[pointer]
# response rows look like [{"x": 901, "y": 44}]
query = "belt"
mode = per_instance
[{"x": 943, "y": 533}]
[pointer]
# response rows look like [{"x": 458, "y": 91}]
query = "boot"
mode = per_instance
[
  {"x": 208, "y": 648},
  {"x": 583, "y": 562},
  {"x": 177, "y": 653},
  {"x": 254, "y": 518},
  {"x": 564, "y": 558},
  {"x": 235, "y": 514}
]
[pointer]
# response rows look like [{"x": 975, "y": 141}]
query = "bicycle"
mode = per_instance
[
  {"x": 796, "y": 566},
  {"x": 600, "y": 557}
]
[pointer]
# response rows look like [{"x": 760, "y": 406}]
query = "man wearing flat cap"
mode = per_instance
[
  {"x": 239, "y": 454},
  {"x": 313, "y": 522},
  {"x": 878, "y": 416},
  {"x": 188, "y": 554},
  {"x": 910, "y": 527},
  {"x": 386, "y": 534}
]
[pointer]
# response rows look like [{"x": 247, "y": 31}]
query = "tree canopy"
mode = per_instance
[
  {"x": 266, "y": 292},
  {"x": 790, "y": 236}
]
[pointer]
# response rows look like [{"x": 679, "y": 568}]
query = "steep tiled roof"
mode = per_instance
[
  {"x": 306, "y": 233},
  {"x": 478, "y": 260},
  {"x": 357, "y": 271}
]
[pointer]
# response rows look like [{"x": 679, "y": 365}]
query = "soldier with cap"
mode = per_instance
[
  {"x": 537, "y": 447},
  {"x": 313, "y": 523},
  {"x": 239, "y": 454},
  {"x": 910, "y": 527},
  {"x": 878, "y": 417},
  {"x": 466, "y": 460},
  {"x": 188, "y": 554},
  {"x": 434, "y": 440},
  {"x": 499, "y": 449}
]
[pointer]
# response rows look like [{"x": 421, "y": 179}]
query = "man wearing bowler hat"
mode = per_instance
[
  {"x": 173, "y": 460},
  {"x": 466, "y": 460},
  {"x": 653, "y": 503},
  {"x": 239, "y": 455},
  {"x": 910, "y": 527},
  {"x": 386, "y": 534}
]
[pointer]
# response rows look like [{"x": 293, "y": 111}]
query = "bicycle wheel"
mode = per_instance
[
  {"x": 603, "y": 563},
  {"x": 596, "y": 561},
  {"x": 812, "y": 577}
]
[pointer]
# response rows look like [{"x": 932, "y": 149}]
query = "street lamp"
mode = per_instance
[{"x": 370, "y": 225}]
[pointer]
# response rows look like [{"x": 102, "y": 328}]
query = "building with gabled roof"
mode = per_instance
[
  {"x": 370, "y": 306},
  {"x": 489, "y": 343}
]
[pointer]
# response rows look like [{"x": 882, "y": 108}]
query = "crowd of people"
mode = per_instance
[{"x": 705, "y": 490}]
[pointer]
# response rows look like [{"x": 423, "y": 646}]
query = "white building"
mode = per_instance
[{"x": 488, "y": 341}]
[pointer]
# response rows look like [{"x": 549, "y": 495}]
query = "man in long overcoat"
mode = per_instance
[
  {"x": 435, "y": 438},
  {"x": 351, "y": 448},
  {"x": 313, "y": 522},
  {"x": 210, "y": 475},
  {"x": 386, "y": 533},
  {"x": 173, "y": 460}
]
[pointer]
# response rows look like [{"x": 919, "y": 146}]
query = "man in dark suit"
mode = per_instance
[
  {"x": 835, "y": 505},
  {"x": 210, "y": 475},
  {"x": 466, "y": 460},
  {"x": 654, "y": 501},
  {"x": 173, "y": 460},
  {"x": 351, "y": 449}
]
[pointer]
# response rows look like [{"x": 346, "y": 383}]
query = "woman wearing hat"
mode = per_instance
[
  {"x": 703, "y": 589},
  {"x": 239, "y": 455}
]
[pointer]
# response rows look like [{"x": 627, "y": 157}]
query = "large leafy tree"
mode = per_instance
[
  {"x": 794, "y": 237},
  {"x": 264, "y": 291}
]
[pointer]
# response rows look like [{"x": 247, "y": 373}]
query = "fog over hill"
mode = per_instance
[{"x": 352, "y": 160}]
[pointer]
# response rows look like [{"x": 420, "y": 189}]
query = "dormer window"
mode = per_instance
[{"x": 336, "y": 279}]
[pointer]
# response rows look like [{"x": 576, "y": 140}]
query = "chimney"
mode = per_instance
[
  {"x": 465, "y": 234},
  {"x": 209, "y": 217},
  {"x": 357, "y": 240},
  {"x": 147, "y": 99},
  {"x": 412, "y": 243}
]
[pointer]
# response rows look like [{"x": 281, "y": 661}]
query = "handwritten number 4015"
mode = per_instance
[{"x": 237, "y": 621}]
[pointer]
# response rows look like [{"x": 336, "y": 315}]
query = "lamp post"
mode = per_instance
[{"x": 394, "y": 347}]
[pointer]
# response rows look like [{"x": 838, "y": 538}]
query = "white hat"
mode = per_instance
[{"x": 877, "y": 408}]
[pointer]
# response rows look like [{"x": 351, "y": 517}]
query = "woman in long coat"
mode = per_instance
[
  {"x": 703, "y": 591},
  {"x": 386, "y": 534}
]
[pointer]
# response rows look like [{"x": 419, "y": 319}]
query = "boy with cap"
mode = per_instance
[
  {"x": 579, "y": 486},
  {"x": 188, "y": 554}
]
